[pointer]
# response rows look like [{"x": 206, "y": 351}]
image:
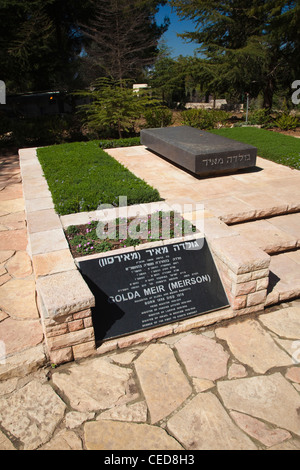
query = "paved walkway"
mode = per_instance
[
  {"x": 20, "y": 327},
  {"x": 234, "y": 385}
]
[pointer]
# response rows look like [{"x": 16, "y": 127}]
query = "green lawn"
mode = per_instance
[
  {"x": 81, "y": 176},
  {"x": 270, "y": 145}
]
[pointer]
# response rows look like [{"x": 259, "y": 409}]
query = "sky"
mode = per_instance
[{"x": 177, "y": 45}]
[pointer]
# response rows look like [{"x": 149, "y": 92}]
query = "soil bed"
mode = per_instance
[{"x": 99, "y": 237}]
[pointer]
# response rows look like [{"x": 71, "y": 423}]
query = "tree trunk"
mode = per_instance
[
  {"x": 268, "y": 94},
  {"x": 119, "y": 130},
  {"x": 214, "y": 98}
]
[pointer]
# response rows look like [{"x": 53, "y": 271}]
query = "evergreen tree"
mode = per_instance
[
  {"x": 174, "y": 80},
  {"x": 248, "y": 46},
  {"x": 124, "y": 37},
  {"x": 40, "y": 43},
  {"x": 114, "y": 106}
]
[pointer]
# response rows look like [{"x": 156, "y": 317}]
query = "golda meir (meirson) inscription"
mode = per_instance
[{"x": 151, "y": 287}]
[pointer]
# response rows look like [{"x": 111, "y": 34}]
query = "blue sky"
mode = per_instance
[{"x": 178, "y": 45}]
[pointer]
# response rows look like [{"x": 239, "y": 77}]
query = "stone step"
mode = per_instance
[
  {"x": 274, "y": 234},
  {"x": 279, "y": 236},
  {"x": 275, "y": 199},
  {"x": 284, "y": 279}
]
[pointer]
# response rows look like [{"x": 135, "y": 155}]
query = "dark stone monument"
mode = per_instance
[
  {"x": 200, "y": 152},
  {"x": 151, "y": 287}
]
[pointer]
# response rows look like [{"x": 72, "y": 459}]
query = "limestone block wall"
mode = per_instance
[
  {"x": 65, "y": 303},
  {"x": 64, "y": 299},
  {"x": 243, "y": 267}
]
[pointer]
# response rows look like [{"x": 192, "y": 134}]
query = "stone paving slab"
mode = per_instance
[
  {"x": 42, "y": 220},
  {"x": 39, "y": 204},
  {"x": 285, "y": 277},
  {"x": 289, "y": 224},
  {"x": 20, "y": 328},
  {"x": 263, "y": 397},
  {"x": 261, "y": 354},
  {"x": 155, "y": 366},
  {"x": 48, "y": 241},
  {"x": 14, "y": 221},
  {"x": 17, "y": 297},
  {"x": 13, "y": 240},
  {"x": 33, "y": 425},
  {"x": 267, "y": 236},
  {"x": 111, "y": 435},
  {"x": 203, "y": 424},
  {"x": 285, "y": 323},
  {"x": 52, "y": 263},
  {"x": 11, "y": 206},
  {"x": 20, "y": 335},
  {"x": 23, "y": 363},
  {"x": 278, "y": 184},
  {"x": 157, "y": 395}
]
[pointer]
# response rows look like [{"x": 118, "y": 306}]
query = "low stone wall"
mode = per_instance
[
  {"x": 65, "y": 301},
  {"x": 245, "y": 284},
  {"x": 243, "y": 267},
  {"x": 219, "y": 104}
]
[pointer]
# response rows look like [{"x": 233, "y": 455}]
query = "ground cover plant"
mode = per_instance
[
  {"x": 99, "y": 237},
  {"x": 81, "y": 177},
  {"x": 273, "y": 146}
]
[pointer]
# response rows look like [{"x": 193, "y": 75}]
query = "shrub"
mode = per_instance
[
  {"x": 286, "y": 122},
  {"x": 114, "y": 107},
  {"x": 220, "y": 116},
  {"x": 159, "y": 116},
  {"x": 260, "y": 117},
  {"x": 116, "y": 143},
  {"x": 204, "y": 119},
  {"x": 199, "y": 118},
  {"x": 36, "y": 131}
]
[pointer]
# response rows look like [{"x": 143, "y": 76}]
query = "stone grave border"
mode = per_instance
[{"x": 65, "y": 301}]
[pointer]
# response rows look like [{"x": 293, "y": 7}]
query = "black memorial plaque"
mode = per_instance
[
  {"x": 151, "y": 287},
  {"x": 200, "y": 152}
]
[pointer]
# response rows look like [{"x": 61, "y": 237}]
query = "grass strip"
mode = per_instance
[
  {"x": 81, "y": 177},
  {"x": 273, "y": 146}
]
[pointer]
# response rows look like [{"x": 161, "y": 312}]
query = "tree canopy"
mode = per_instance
[
  {"x": 43, "y": 42},
  {"x": 40, "y": 42},
  {"x": 246, "y": 46},
  {"x": 123, "y": 37}
]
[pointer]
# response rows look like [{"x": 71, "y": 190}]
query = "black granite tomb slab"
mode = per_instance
[
  {"x": 151, "y": 287},
  {"x": 200, "y": 152}
]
